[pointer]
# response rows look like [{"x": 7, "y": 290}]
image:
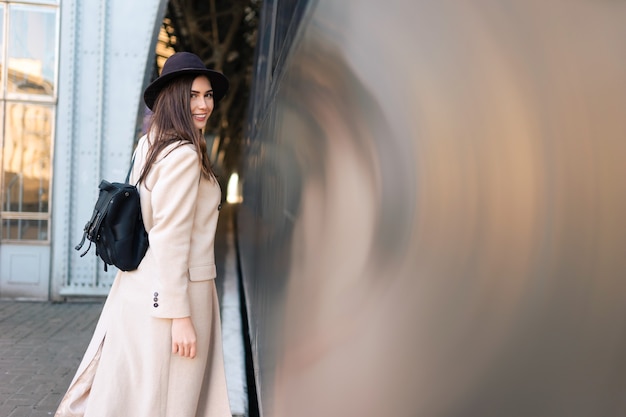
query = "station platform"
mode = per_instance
[{"x": 42, "y": 343}]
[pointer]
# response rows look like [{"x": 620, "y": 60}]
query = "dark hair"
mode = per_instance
[{"x": 171, "y": 123}]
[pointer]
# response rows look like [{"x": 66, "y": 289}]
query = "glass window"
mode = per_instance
[
  {"x": 26, "y": 157},
  {"x": 31, "y": 50},
  {"x": 2, "y": 49},
  {"x": 28, "y": 69},
  {"x": 288, "y": 16},
  {"x": 32, "y": 1},
  {"x": 24, "y": 229}
]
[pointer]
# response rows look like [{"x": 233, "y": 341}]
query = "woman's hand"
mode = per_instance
[{"x": 183, "y": 337}]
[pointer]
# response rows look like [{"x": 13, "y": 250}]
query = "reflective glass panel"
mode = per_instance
[
  {"x": 26, "y": 157},
  {"x": 24, "y": 229},
  {"x": 288, "y": 12},
  {"x": 31, "y": 54}
]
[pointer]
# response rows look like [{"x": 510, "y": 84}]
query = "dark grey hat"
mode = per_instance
[{"x": 184, "y": 63}]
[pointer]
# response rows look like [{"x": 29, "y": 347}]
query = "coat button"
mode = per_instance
[
  {"x": 156, "y": 294},
  {"x": 155, "y": 305},
  {"x": 155, "y": 299}
]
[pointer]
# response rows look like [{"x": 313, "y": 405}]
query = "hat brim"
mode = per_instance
[{"x": 219, "y": 83}]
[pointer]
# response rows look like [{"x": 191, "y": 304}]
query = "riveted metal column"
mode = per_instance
[
  {"x": 64, "y": 169},
  {"x": 106, "y": 48}
]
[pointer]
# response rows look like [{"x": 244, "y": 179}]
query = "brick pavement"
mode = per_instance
[{"x": 41, "y": 345}]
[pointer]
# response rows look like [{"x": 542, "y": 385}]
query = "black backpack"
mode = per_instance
[{"x": 116, "y": 226}]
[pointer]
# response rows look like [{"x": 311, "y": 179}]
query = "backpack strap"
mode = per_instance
[{"x": 130, "y": 169}]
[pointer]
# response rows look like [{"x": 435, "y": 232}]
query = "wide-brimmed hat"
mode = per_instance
[{"x": 185, "y": 63}]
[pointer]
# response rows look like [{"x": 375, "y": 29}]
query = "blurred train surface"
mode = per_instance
[{"x": 432, "y": 216}]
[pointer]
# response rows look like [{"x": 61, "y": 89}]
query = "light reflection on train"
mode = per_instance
[{"x": 432, "y": 215}]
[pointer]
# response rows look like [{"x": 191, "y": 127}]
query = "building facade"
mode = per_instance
[{"x": 71, "y": 77}]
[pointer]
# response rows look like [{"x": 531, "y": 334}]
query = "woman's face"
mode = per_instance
[{"x": 201, "y": 101}]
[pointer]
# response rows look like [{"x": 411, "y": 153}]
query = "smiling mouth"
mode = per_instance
[{"x": 199, "y": 116}]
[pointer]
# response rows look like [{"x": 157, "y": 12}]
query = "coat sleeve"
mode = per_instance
[{"x": 173, "y": 198}]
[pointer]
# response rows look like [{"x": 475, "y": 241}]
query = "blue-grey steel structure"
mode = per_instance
[
  {"x": 71, "y": 82},
  {"x": 106, "y": 48}
]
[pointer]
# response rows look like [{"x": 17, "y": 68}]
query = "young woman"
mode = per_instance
[{"x": 157, "y": 348}]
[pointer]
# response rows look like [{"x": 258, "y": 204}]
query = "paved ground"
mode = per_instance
[{"x": 41, "y": 345}]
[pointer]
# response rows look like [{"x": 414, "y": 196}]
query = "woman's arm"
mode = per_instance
[{"x": 174, "y": 182}]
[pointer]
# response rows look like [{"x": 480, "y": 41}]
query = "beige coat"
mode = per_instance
[{"x": 128, "y": 369}]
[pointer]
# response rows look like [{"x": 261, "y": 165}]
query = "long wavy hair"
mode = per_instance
[{"x": 172, "y": 123}]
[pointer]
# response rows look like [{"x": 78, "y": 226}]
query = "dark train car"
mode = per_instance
[{"x": 433, "y": 202}]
